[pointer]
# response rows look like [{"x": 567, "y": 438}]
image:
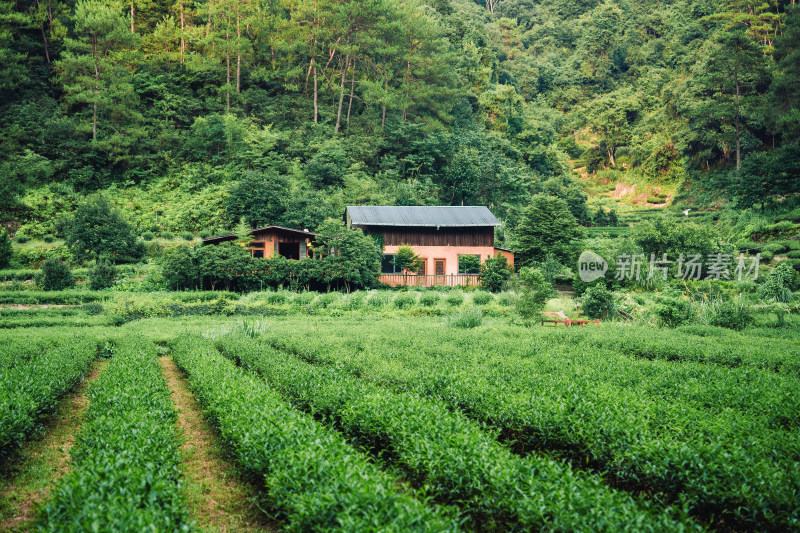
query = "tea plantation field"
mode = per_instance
[{"x": 392, "y": 422}]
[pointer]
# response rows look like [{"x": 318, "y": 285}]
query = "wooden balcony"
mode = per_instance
[{"x": 418, "y": 280}]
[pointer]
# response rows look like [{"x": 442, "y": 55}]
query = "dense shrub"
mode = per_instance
[
  {"x": 405, "y": 299},
  {"x": 48, "y": 238},
  {"x": 98, "y": 230},
  {"x": 102, "y": 276},
  {"x": 167, "y": 235},
  {"x": 303, "y": 298},
  {"x": 276, "y": 298},
  {"x": 379, "y": 299},
  {"x": 187, "y": 236},
  {"x": 55, "y": 276},
  {"x": 467, "y": 318},
  {"x": 672, "y": 309},
  {"x": 148, "y": 236},
  {"x": 455, "y": 298},
  {"x": 732, "y": 315},
  {"x": 495, "y": 272},
  {"x": 482, "y": 298},
  {"x": 5, "y": 249},
  {"x": 534, "y": 292},
  {"x": 598, "y": 302},
  {"x": 775, "y": 247},
  {"x": 429, "y": 299}
]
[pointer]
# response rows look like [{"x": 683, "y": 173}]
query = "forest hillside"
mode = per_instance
[{"x": 191, "y": 114}]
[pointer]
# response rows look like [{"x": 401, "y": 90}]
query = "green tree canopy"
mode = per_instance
[
  {"x": 546, "y": 226},
  {"x": 97, "y": 230}
]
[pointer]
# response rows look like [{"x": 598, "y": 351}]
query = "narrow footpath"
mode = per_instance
[
  {"x": 218, "y": 499},
  {"x": 44, "y": 460}
]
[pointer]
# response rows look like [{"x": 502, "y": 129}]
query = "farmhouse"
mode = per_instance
[
  {"x": 441, "y": 236},
  {"x": 272, "y": 241}
]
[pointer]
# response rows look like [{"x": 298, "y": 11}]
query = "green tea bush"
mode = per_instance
[
  {"x": 315, "y": 481},
  {"x": 22, "y": 239},
  {"x": 167, "y": 235},
  {"x": 467, "y": 318},
  {"x": 303, "y": 298},
  {"x": 495, "y": 489},
  {"x": 276, "y": 298},
  {"x": 93, "y": 308},
  {"x": 482, "y": 298},
  {"x": 429, "y": 299},
  {"x": 775, "y": 248},
  {"x": 148, "y": 236},
  {"x": 455, "y": 298},
  {"x": 55, "y": 276},
  {"x": 507, "y": 299},
  {"x": 405, "y": 300},
  {"x": 48, "y": 239},
  {"x": 734, "y": 315},
  {"x": 328, "y": 299},
  {"x": 793, "y": 254},
  {"x": 187, "y": 236},
  {"x": 355, "y": 300},
  {"x": 32, "y": 389},
  {"x": 378, "y": 299},
  {"x": 594, "y": 396},
  {"x": 126, "y": 466}
]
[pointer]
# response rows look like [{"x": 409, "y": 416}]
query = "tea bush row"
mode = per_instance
[
  {"x": 314, "y": 480},
  {"x": 126, "y": 466},
  {"x": 713, "y": 345},
  {"x": 450, "y": 456},
  {"x": 689, "y": 429},
  {"x": 31, "y": 389}
]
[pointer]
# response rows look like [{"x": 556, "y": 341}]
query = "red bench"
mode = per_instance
[{"x": 568, "y": 322}]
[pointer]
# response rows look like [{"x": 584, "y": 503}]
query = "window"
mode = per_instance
[
  {"x": 258, "y": 253},
  {"x": 469, "y": 264},
  {"x": 388, "y": 266}
]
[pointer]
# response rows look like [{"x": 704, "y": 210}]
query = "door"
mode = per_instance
[{"x": 438, "y": 272}]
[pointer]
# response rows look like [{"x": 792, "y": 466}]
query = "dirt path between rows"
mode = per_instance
[
  {"x": 218, "y": 499},
  {"x": 42, "y": 462}
]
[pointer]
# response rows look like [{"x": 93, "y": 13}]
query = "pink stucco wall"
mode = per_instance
[{"x": 450, "y": 255}]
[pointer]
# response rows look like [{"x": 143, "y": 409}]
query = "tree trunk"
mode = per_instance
[
  {"x": 341, "y": 92},
  {"x": 96, "y": 89},
  {"x": 132, "y": 31},
  {"x": 611, "y": 157},
  {"x": 46, "y": 51},
  {"x": 228, "y": 65},
  {"x": 738, "y": 136},
  {"x": 316, "y": 107},
  {"x": 183, "y": 42},
  {"x": 352, "y": 87},
  {"x": 238, "y": 50},
  {"x": 208, "y": 22}
]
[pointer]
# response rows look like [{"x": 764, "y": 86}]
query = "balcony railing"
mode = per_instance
[{"x": 417, "y": 280}]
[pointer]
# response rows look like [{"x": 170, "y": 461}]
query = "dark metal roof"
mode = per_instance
[
  {"x": 229, "y": 235},
  {"x": 421, "y": 216}
]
